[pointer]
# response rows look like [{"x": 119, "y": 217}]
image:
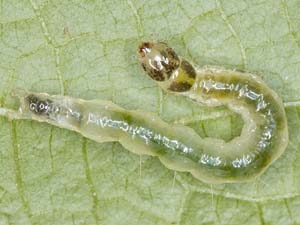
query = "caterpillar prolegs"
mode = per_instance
[{"x": 263, "y": 139}]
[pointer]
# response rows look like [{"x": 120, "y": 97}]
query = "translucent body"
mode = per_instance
[
  {"x": 264, "y": 136},
  {"x": 263, "y": 139}
]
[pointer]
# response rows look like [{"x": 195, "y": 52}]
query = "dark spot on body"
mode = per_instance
[
  {"x": 158, "y": 60},
  {"x": 171, "y": 53},
  {"x": 180, "y": 86},
  {"x": 188, "y": 68},
  {"x": 173, "y": 63},
  {"x": 39, "y": 106},
  {"x": 145, "y": 45},
  {"x": 156, "y": 75},
  {"x": 144, "y": 67},
  {"x": 142, "y": 49}
]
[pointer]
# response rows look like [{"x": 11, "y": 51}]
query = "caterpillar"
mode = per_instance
[{"x": 263, "y": 138}]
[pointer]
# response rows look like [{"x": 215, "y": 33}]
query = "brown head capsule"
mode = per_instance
[{"x": 158, "y": 60}]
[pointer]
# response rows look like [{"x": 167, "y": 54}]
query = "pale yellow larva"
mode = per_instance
[
  {"x": 263, "y": 139},
  {"x": 265, "y": 134}
]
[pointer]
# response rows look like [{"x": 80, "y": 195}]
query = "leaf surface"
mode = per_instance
[{"x": 87, "y": 49}]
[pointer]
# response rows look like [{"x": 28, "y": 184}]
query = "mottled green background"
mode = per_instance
[{"x": 87, "y": 49}]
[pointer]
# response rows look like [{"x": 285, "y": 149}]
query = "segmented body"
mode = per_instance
[
  {"x": 263, "y": 139},
  {"x": 264, "y": 136}
]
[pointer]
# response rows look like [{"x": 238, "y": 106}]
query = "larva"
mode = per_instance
[
  {"x": 263, "y": 139},
  {"x": 264, "y": 136}
]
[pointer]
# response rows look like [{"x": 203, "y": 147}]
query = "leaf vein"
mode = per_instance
[
  {"x": 90, "y": 183},
  {"x": 234, "y": 33},
  {"x": 289, "y": 22},
  {"x": 18, "y": 173}
]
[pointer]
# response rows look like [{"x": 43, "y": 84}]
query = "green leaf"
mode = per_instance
[{"x": 87, "y": 49}]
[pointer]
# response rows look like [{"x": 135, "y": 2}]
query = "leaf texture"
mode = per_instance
[{"x": 87, "y": 49}]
